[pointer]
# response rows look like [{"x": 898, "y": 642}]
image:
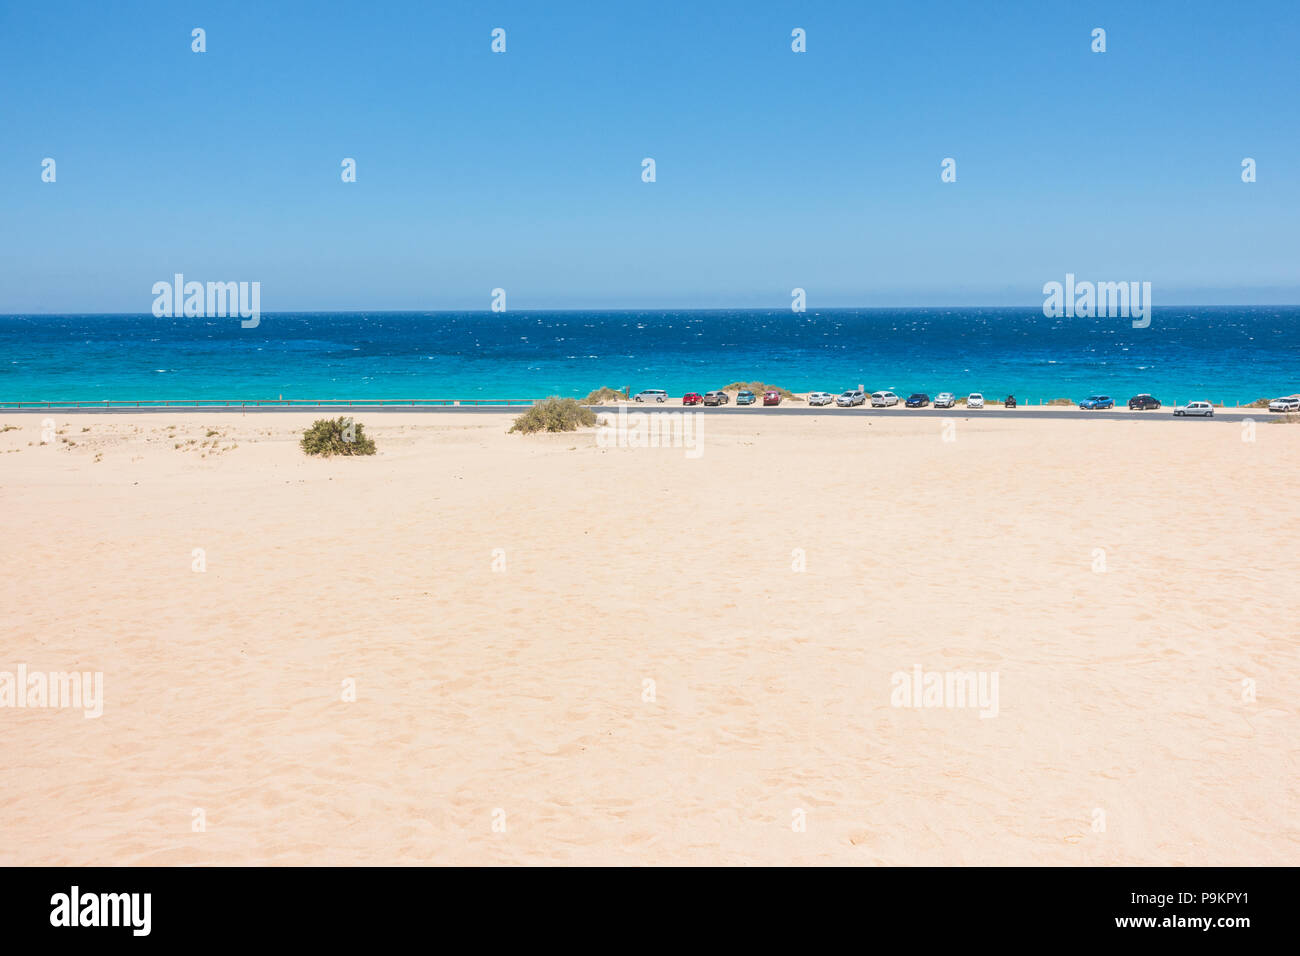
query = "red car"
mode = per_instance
[
  {"x": 771, "y": 398},
  {"x": 692, "y": 398}
]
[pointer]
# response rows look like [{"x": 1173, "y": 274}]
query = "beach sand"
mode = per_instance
[{"x": 1125, "y": 729}]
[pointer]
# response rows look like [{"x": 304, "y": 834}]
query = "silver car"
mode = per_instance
[
  {"x": 651, "y": 395},
  {"x": 883, "y": 399},
  {"x": 850, "y": 398},
  {"x": 820, "y": 398},
  {"x": 1195, "y": 408}
]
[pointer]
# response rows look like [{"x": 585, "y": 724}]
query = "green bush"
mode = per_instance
[
  {"x": 602, "y": 395},
  {"x": 758, "y": 388},
  {"x": 1257, "y": 403},
  {"x": 554, "y": 414},
  {"x": 337, "y": 436},
  {"x": 1061, "y": 401}
]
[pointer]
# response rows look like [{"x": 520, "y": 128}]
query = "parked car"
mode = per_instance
[
  {"x": 1142, "y": 402},
  {"x": 771, "y": 398},
  {"x": 1097, "y": 401},
  {"x": 820, "y": 398},
  {"x": 1010, "y": 402},
  {"x": 883, "y": 399},
  {"x": 945, "y": 400},
  {"x": 692, "y": 398},
  {"x": 1195, "y": 408},
  {"x": 850, "y": 398},
  {"x": 1288, "y": 404},
  {"x": 975, "y": 400},
  {"x": 651, "y": 395},
  {"x": 745, "y": 398},
  {"x": 917, "y": 400},
  {"x": 716, "y": 398}
]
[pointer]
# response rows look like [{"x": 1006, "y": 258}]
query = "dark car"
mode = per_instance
[
  {"x": 1143, "y": 402},
  {"x": 917, "y": 400},
  {"x": 1010, "y": 402}
]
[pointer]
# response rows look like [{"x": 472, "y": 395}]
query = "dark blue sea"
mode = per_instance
[{"x": 1222, "y": 353}]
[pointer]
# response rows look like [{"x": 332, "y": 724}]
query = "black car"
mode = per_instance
[
  {"x": 917, "y": 400},
  {"x": 1143, "y": 402},
  {"x": 1010, "y": 402}
]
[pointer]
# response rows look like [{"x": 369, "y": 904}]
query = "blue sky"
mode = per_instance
[{"x": 523, "y": 170}]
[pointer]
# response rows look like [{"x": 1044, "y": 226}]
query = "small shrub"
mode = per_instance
[
  {"x": 602, "y": 395},
  {"x": 1060, "y": 401},
  {"x": 336, "y": 436},
  {"x": 758, "y": 388},
  {"x": 1257, "y": 403},
  {"x": 554, "y": 414},
  {"x": 1290, "y": 418}
]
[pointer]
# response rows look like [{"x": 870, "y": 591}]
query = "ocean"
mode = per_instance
[{"x": 1222, "y": 353}]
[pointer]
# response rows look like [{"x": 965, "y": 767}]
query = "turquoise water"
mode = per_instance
[{"x": 1232, "y": 354}]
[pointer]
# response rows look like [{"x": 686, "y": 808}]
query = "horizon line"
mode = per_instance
[{"x": 831, "y": 308}]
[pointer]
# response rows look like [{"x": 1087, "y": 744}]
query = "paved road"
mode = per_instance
[{"x": 1036, "y": 412}]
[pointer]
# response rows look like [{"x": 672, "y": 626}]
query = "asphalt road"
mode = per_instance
[{"x": 1036, "y": 412}]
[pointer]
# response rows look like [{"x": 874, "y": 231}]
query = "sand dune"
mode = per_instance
[{"x": 1124, "y": 732}]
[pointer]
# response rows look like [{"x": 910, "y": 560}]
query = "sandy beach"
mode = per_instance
[{"x": 567, "y": 653}]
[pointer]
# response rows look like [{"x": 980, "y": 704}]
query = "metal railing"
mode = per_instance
[{"x": 273, "y": 403}]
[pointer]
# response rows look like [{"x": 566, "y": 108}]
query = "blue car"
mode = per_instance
[
  {"x": 745, "y": 398},
  {"x": 1097, "y": 401}
]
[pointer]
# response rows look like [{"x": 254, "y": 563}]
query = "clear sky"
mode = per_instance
[{"x": 522, "y": 170}]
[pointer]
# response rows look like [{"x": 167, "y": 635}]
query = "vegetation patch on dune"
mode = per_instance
[
  {"x": 1257, "y": 403},
  {"x": 1061, "y": 401},
  {"x": 602, "y": 395},
  {"x": 758, "y": 388},
  {"x": 336, "y": 436},
  {"x": 554, "y": 414},
  {"x": 1290, "y": 418}
]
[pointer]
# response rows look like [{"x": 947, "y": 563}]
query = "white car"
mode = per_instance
[
  {"x": 945, "y": 400},
  {"x": 850, "y": 398},
  {"x": 883, "y": 399},
  {"x": 1289, "y": 404},
  {"x": 820, "y": 398},
  {"x": 651, "y": 395},
  {"x": 1195, "y": 408},
  {"x": 975, "y": 400}
]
